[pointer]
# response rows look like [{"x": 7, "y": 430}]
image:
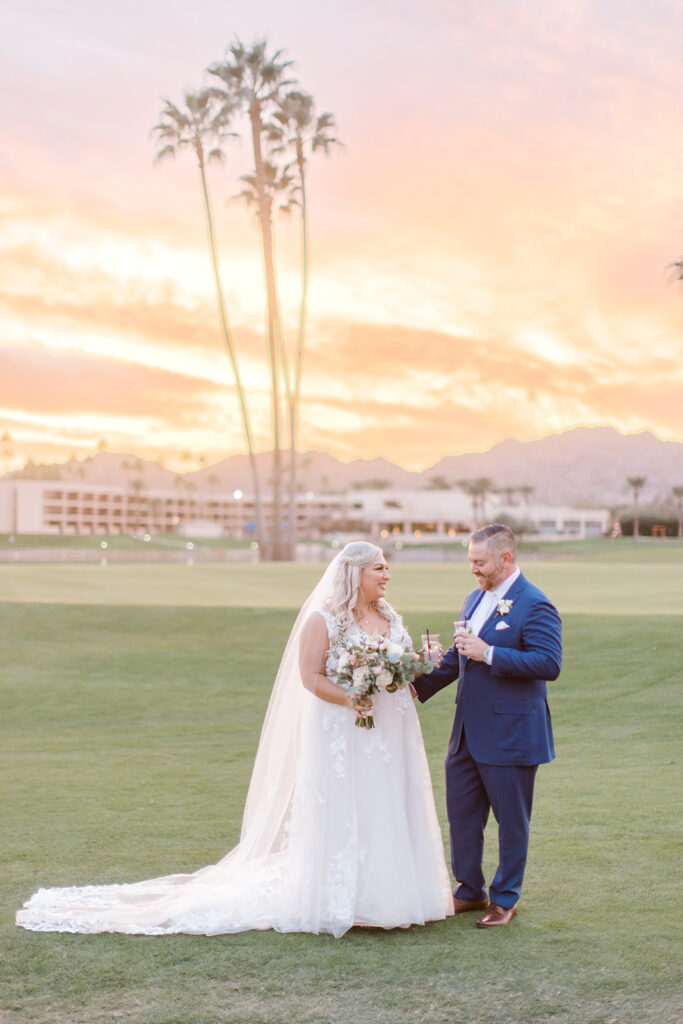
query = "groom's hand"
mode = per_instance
[{"x": 471, "y": 646}]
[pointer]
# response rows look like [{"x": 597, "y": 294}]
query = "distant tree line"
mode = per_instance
[{"x": 655, "y": 516}]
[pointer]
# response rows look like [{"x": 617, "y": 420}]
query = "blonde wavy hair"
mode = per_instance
[{"x": 352, "y": 559}]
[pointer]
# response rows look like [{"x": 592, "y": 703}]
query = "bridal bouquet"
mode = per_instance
[{"x": 363, "y": 669}]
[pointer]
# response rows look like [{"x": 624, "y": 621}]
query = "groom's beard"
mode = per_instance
[{"x": 489, "y": 581}]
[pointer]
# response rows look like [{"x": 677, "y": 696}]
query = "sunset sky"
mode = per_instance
[{"x": 489, "y": 250}]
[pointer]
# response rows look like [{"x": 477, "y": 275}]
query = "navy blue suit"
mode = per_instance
[{"x": 501, "y": 733}]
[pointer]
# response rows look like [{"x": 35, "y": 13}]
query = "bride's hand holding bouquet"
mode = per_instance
[{"x": 365, "y": 668}]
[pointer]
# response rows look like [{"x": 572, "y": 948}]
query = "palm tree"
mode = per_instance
[
  {"x": 678, "y": 495},
  {"x": 508, "y": 493},
  {"x": 636, "y": 483},
  {"x": 477, "y": 490},
  {"x": 194, "y": 127},
  {"x": 466, "y": 486},
  {"x": 677, "y": 270},
  {"x": 252, "y": 81},
  {"x": 297, "y": 128},
  {"x": 137, "y": 486}
]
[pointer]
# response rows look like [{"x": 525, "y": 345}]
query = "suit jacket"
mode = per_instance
[{"x": 504, "y": 708}]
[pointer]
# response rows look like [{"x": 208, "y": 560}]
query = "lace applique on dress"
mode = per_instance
[
  {"x": 342, "y": 880},
  {"x": 374, "y": 744},
  {"x": 404, "y": 700},
  {"x": 333, "y": 722}
]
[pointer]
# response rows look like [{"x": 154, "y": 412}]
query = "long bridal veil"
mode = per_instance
[
  {"x": 271, "y": 788},
  {"x": 240, "y": 891}
]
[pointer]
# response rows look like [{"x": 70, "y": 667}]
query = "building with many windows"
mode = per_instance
[{"x": 69, "y": 508}]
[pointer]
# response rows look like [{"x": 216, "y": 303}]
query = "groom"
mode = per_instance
[{"x": 502, "y": 729}]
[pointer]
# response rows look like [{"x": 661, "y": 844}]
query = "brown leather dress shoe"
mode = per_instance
[
  {"x": 460, "y": 906},
  {"x": 496, "y": 915}
]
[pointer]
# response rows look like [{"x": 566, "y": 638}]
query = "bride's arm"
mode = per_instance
[{"x": 313, "y": 646}]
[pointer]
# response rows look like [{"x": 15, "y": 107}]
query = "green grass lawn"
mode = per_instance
[
  {"x": 127, "y": 738},
  {"x": 605, "y": 578}
]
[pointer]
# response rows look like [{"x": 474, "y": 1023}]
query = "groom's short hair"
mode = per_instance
[{"x": 497, "y": 537}]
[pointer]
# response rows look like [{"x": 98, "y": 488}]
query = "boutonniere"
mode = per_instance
[{"x": 503, "y": 607}]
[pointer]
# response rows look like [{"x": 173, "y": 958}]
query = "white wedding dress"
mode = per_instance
[{"x": 348, "y": 836}]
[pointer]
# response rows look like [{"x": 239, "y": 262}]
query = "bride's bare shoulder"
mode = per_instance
[
  {"x": 314, "y": 638},
  {"x": 317, "y": 622}
]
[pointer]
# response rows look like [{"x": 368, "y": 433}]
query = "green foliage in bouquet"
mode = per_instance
[{"x": 369, "y": 667}]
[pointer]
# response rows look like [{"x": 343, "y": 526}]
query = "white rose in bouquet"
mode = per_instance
[
  {"x": 384, "y": 679},
  {"x": 393, "y": 651}
]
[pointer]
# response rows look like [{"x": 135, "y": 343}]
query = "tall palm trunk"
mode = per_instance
[
  {"x": 264, "y": 209},
  {"x": 290, "y": 545},
  {"x": 291, "y": 414},
  {"x": 294, "y": 398},
  {"x": 304, "y": 271},
  {"x": 227, "y": 338}
]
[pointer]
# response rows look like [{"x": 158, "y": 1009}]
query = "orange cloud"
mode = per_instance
[
  {"x": 489, "y": 251},
  {"x": 64, "y": 384}
]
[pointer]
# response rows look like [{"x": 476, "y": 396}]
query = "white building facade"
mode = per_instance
[{"x": 74, "y": 509}]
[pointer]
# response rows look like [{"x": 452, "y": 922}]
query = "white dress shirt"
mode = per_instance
[{"x": 486, "y": 607}]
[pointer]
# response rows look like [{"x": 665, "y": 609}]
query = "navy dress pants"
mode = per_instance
[{"x": 472, "y": 790}]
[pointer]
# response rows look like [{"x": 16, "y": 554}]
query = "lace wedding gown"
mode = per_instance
[{"x": 358, "y": 844}]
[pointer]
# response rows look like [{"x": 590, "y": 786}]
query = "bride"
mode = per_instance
[{"x": 339, "y": 825}]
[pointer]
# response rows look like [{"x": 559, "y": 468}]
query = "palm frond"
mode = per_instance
[
  {"x": 238, "y": 51},
  {"x": 203, "y": 121},
  {"x": 196, "y": 102},
  {"x": 676, "y": 270},
  {"x": 165, "y": 131},
  {"x": 165, "y": 153},
  {"x": 174, "y": 113},
  {"x": 325, "y": 144},
  {"x": 248, "y": 195},
  {"x": 291, "y": 205},
  {"x": 273, "y": 132}
]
